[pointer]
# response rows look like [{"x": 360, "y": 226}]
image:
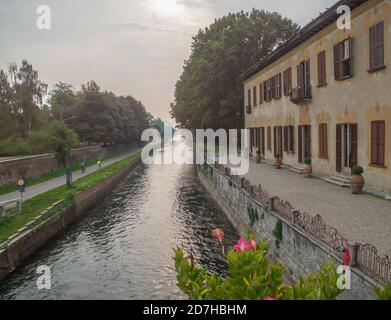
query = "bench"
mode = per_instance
[{"x": 6, "y": 205}]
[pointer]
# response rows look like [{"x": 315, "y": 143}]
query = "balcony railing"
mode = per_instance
[
  {"x": 301, "y": 94},
  {"x": 248, "y": 109}
]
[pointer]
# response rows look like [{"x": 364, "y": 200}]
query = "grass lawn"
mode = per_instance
[
  {"x": 34, "y": 206},
  {"x": 11, "y": 187}
]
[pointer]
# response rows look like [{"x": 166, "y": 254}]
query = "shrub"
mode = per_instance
[
  {"x": 259, "y": 152},
  {"x": 252, "y": 276},
  {"x": 384, "y": 293},
  {"x": 357, "y": 170},
  {"x": 278, "y": 157},
  {"x": 308, "y": 161}
]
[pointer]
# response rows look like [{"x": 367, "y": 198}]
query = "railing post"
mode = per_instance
[
  {"x": 271, "y": 203},
  {"x": 296, "y": 214},
  {"x": 355, "y": 250}
]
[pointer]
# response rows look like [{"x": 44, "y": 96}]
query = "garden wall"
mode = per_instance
[
  {"x": 297, "y": 250},
  {"x": 34, "y": 166},
  {"x": 31, "y": 237}
]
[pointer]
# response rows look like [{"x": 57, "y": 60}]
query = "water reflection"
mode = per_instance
[{"x": 123, "y": 248}]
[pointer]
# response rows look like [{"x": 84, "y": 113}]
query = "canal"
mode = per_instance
[{"x": 122, "y": 249}]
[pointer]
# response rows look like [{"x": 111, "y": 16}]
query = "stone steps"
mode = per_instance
[
  {"x": 339, "y": 180},
  {"x": 295, "y": 169}
]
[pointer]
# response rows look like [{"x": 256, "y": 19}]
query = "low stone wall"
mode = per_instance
[
  {"x": 34, "y": 166},
  {"x": 30, "y": 238},
  {"x": 298, "y": 252}
]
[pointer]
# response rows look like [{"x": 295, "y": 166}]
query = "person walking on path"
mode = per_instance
[
  {"x": 99, "y": 163},
  {"x": 69, "y": 176},
  {"x": 83, "y": 167}
]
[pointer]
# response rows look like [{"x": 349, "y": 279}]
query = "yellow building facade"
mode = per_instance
[{"x": 326, "y": 95}]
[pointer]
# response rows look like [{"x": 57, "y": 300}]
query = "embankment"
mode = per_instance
[
  {"x": 301, "y": 243},
  {"x": 24, "y": 243}
]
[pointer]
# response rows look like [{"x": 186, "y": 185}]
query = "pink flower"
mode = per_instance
[
  {"x": 218, "y": 234},
  {"x": 243, "y": 246},
  {"x": 346, "y": 260},
  {"x": 270, "y": 299}
]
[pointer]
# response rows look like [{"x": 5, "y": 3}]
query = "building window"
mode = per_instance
[
  {"x": 377, "y": 143},
  {"x": 255, "y": 96},
  {"x": 277, "y": 86},
  {"x": 249, "y": 97},
  {"x": 376, "y": 47},
  {"x": 304, "y": 78},
  {"x": 287, "y": 82},
  {"x": 268, "y": 90},
  {"x": 289, "y": 139},
  {"x": 260, "y": 93},
  {"x": 322, "y": 80},
  {"x": 273, "y": 88},
  {"x": 343, "y": 67},
  {"x": 323, "y": 141},
  {"x": 269, "y": 138}
]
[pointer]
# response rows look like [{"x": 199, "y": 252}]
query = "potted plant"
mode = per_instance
[
  {"x": 308, "y": 167},
  {"x": 358, "y": 180},
  {"x": 278, "y": 161},
  {"x": 259, "y": 156}
]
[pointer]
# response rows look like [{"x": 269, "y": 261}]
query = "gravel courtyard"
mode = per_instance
[{"x": 359, "y": 218}]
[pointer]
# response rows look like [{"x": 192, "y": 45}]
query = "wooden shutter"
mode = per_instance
[
  {"x": 323, "y": 141},
  {"x": 279, "y": 82},
  {"x": 378, "y": 143},
  {"x": 300, "y": 73},
  {"x": 337, "y": 61},
  {"x": 380, "y": 44},
  {"x": 339, "y": 148},
  {"x": 285, "y": 82},
  {"x": 269, "y": 138},
  {"x": 353, "y": 145},
  {"x": 286, "y": 141},
  {"x": 260, "y": 94},
  {"x": 263, "y": 140},
  {"x": 289, "y": 81},
  {"x": 255, "y": 96},
  {"x": 280, "y": 140},
  {"x": 300, "y": 144},
  {"x": 249, "y": 97},
  {"x": 372, "y": 48},
  {"x": 307, "y": 74},
  {"x": 322, "y": 68},
  {"x": 275, "y": 141},
  {"x": 307, "y": 131},
  {"x": 292, "y": 138}
]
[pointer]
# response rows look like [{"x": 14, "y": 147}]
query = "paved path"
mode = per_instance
[
  {"x": 359, "y": 218},
  {"x": 59, "y": 181}
]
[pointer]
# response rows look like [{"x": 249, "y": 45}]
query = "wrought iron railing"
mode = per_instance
[{"x": 365, "y": 257}]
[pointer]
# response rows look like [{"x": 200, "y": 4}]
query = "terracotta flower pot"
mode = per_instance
[
  {"x": 358, "y": 182},
  {"x": 278, "y": 163},
  {"x": 308, "y": 171},
  {"x": 258, "y": 158}
]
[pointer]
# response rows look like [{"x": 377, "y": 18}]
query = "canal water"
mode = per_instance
[{"x": 122, "y": 249}]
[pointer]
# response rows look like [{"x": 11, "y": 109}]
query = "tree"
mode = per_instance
[
  {"x": 208, "y": 93},
  {"x": 62, "y": 98},
  {"x": 26, "y": 95}
]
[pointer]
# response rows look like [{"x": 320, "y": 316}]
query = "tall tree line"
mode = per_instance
[
  {"x": 209, "y": 93},
  {"x": 33, "y": 120}
]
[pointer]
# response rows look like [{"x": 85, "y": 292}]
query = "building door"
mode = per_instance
[
  {"x": 304, "y": 142},
  {"x": 346, "y": 144}
]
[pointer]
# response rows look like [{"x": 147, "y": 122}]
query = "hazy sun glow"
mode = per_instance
[{"x": 167, "y": 8}]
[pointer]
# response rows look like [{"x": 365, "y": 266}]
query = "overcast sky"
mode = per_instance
[{"x": 130, "y": 47}]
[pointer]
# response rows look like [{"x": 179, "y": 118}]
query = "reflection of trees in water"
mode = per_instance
[{"x": 199, "y": 215}]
